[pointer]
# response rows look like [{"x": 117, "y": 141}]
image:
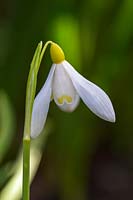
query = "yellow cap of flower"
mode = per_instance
[{"x": 57, "y": 54}]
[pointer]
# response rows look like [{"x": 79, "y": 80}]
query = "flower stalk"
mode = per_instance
[
  {"x": 30, "y": 95},
  {"x": 26, "y": 169}
]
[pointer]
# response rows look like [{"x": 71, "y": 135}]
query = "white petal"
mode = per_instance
[
  {"x": 93, "y": 96},
  {"x": 41, "y": 105},
  {"x": 71, "y": 106},
  {"x": 64, "y": 93}
]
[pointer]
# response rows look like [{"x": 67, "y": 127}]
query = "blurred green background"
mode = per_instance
[{"x": 84, "y": 157}]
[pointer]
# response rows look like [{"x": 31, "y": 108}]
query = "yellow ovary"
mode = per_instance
[
  {"x": 63, "y": 98},
  {"x": 56, "y": 53}
]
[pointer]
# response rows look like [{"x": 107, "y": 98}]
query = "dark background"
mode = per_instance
[{"x": 84, "y": 157}]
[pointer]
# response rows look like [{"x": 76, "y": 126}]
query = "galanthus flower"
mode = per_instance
[{"x": 66, "y": 86}]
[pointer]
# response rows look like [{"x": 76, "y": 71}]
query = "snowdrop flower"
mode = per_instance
[{"x": 66, "y": 86}]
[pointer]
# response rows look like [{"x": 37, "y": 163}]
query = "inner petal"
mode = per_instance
[
  {"x": 63, "y": 89},
  {"x": 64, "y": 98},
  {"x": 71, "y": 106}
]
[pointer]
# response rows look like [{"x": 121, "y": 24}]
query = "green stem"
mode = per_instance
[
  {"x": 44, "y": 49},
  {"x": 26, "y": 168},
  {"x": 30, "y": 95}
]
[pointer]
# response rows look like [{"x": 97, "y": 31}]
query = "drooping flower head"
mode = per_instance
[{"x": 66, "y": 86}]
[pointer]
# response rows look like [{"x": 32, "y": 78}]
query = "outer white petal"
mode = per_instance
[
  {"x": 93, "y": 96},
  {"x": 41, "y": 105}
]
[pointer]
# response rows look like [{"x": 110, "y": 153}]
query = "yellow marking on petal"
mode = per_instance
[
  {"x": 64, "y": 97},
  {"x": 57, "y": 54}
]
